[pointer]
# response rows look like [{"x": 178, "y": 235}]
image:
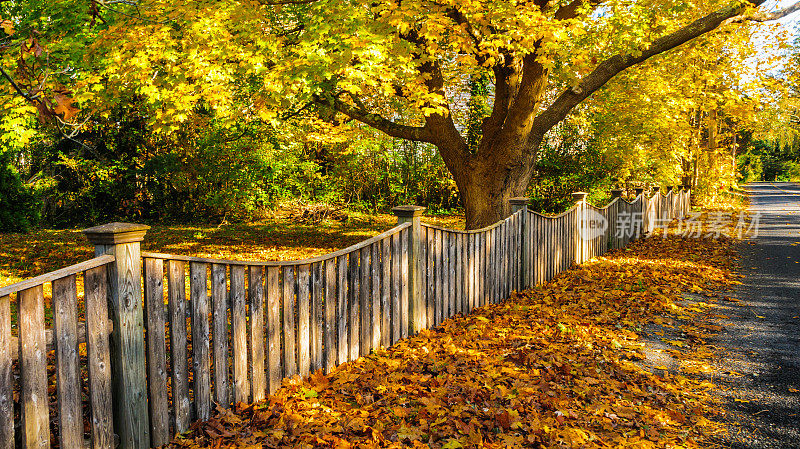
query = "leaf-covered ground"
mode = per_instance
[{"x": 560, "y": 365}]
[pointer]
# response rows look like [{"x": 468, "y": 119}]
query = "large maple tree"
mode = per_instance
[{"x": 401, "y": 66}]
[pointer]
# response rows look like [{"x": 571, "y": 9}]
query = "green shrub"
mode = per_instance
[{"x": 19, "y": 206}]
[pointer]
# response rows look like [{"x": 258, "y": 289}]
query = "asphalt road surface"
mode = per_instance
[{"x": 760, "y": 341}]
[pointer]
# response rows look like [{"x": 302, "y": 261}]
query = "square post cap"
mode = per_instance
[
  {"x": 114, "y": 233},
  {"x": 408, "y": 211},
  {"x": 656, "y": 189},
  {"x": 579, "y": 196},
  {"x": 639, "y": 191},
  {"x": 669, "y": 189},
  {"x": 616, "y": 193},
  {"x": 519, "y": 201},
  {"x": 686, "y": 187}
]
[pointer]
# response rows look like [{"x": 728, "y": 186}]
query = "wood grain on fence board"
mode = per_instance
[
  {"x": 219, "y": 334},
  {"x": 440, "y": 275},
  {"x": 176, "y": 292},
  {"x": 98, "y": 357},
  {"x": 65, "y": 322},
  {"x": 491, "y": 265},
  {"x": 498, "y": 265},
  {"x": 513, "y": 268},
  {"x": 274, "y": 326},
  {"x": 365, "y": 302},
  {"x": 255, "y": 286},
  {"x": 487, "y": 276},
  {"x": 329, "y": 345},
  {"x": 353, "y": 301},
  {"x": 396, "y": 287},
  {"x": 386, "y": 292},
  {"x": 551, "y": 255},
  {"x": 405, "y": 319},
  {"x": 459, "y": 270},
  {"x": 481, "y": 273},
  {"x": 463, "y": 276},
  {"x": 498, "y": 245},
  {"x": 241, "y": 385},
  {"x": 304, "y": 319},
  {"x": 437, "y": 275},
  {"x": 423, "y": 274},
  {"x": 6, "y": 376},
  {"x": 33, "y": 369},
  {"x": 498, "y": 257},
  {"x": 505, "y": 260},
  {"x": 430, "y": 277},
  {"x": 289, "y": 334},
  {"x": 201, "y": 361},
  {"x": 447, "y": 290},
  {"x": 375, "y": 305},
  {"x": 317, "y": 315},
  {"x": 155, "y": 326},
  {"x": 452, "y": 261},
  {"x": 342, "y": 312},
  {"x": 473, "y": 271}
]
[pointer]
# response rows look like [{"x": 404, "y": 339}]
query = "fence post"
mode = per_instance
[
  {"x": 611, "y": 227},
  {"x": 418, "y": 313},
  {"x": 642, "y": 222},
  {"x": 129, "y": 381},
  {"x": 580, "y": 242},
  {"x": 687, "y": 189},
  {"x": 521, "y": 204}
]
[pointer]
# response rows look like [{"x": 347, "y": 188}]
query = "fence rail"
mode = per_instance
[{"x": 167, "y": 336}]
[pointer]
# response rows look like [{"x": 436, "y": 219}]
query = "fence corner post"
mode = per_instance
[
  {"x": 521, "y": 204},
  {"x": 418, "y": 313},
  {"x": 580, "y": 242},
  {"x": 129, "y": 381}
]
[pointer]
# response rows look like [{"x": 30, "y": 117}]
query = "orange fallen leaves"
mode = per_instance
[{"x": 556, "y": 366}]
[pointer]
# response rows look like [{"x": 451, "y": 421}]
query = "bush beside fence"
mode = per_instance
[{"x": 245, "y": 326}]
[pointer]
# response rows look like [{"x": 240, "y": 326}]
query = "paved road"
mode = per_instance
[{"x": 761, "y": 339}]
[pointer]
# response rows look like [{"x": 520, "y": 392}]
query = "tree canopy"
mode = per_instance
[{"x": 411, "y": 69}]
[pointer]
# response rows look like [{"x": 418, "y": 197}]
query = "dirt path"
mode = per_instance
[{"x": 760, "y": 341}]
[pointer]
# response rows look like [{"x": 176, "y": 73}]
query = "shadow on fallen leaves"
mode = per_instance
[{"x": 561, "y": 365}]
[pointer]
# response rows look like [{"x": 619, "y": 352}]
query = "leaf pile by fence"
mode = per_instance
[{"x": 555, "y": 366}]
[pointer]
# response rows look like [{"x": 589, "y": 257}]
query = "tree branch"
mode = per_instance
[
  {"x": 415, "y": 133},
  {"x": 16, "y": 87},
  {"x": 609, "y": 68}
]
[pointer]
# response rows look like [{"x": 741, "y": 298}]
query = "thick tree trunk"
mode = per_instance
[
  {"x": 486, "y": 184},
  {"x": 485, "y": 194},
  {"x": 501, "y": 167}
]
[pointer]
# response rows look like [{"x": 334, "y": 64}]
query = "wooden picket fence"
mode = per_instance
[{"x": 186, "y": 333}]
